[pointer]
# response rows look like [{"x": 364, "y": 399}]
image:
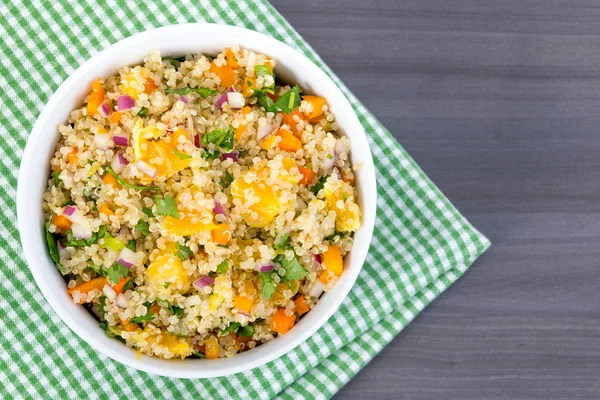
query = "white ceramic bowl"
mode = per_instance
[{"x": 174, "y": 41}]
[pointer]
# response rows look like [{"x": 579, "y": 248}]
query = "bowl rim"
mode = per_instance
[{"x": 184, "y": 368}]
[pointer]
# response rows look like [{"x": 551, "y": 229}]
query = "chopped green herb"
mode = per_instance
[
  {"x": 69, "y": 203},
  {"x": 247, "y": 331},
  {"x": 166, "y": 206},
  {"x": 182, "y": 156},
  {"x": 331, "y": 237},
  {"x": 116, "y": 272},
  {"x": 202, "y": 91},
  {"x": 70, "y": 241},
  {"x": 210, "y": 154},
  {"x": 223, "y": 267},
  {"x": 167, "y": 284},
  {"x": 199, "y": 354},
  {"x": 268, "y": 285},
  {"x": 143, "y": 111},
  {"x": 290, "y": 100},
  {"x": 241, "y": 153},
  {"x": 232, "y": 327},
  {"x": 148, "y": 212},
  {"x": 261, "y": 70},
  {"x": 177, "y": 59},
  {"x": 113, "y": 243},
  {"x": 266, "y": 102},
  {"x": 126, "y": 184},
  {"x": 55, "y": 176},
  {"x": 104, "y": 326},
  {"x": 226, "y": 180},
  {"x": 175, "y": 310},
  {"x": 101, "y": 305},
  {"x": 53, "y": 248},
  {"x": 330, "y": 156},
  {"x": 293, "y": 269},
  {"x": 148, "y": 317},
  {"x": 99, "y": 269},
  {"x": 178, "y": 334},
  {"x": 131, "y": 245},
  {"x": 283, "y": 242},
  {"x": 127, "y": 285},
  {"x": 183, "y": 252},
  {"x": 143, "y": 227},
  {"x": 319, "y": 185},
  {"x": 219, "y": 137}
]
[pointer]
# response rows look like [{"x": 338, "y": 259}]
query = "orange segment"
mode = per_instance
[
  {"x": 225, "y": 73},
  {"x": 61, "y": 222},
  {"x": 281, "y": 322},
  {"x": 149, "y": 86},
  {"x": 189, "y": 224},
  {"x": 288, "y": 142},
  {"x": 243, "y": 303},
  {"x": 231, "y": 59},
  {"x": 221, "y": 234},
  {"x": 317, "y": 104},
  {"x": 333, "y": 260}
]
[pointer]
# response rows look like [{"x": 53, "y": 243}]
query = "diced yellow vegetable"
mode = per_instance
[
  {"x": 167, "y": 267},
  {"x": 348, "y": 214}
]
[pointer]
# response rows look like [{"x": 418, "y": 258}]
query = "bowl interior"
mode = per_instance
[{"x": 174, "y": 41}]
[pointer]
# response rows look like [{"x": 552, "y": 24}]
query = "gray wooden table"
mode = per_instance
[{"x": 499, "y": 102}]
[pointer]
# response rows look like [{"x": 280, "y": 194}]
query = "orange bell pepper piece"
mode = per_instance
[
  {"x": 231, "y": 59},
  {"x": 333, "y": 260},
  {"x": 326, "y": 276},
  {"x": 86, "y": 287},
  {"x": 225, "y": 73},
  {"x": 317, "y": 104},
  {"x": 108, "y": 179},
  {"x": 118, "y": 287},
  {"x": 149, "y": 86},
  {"x": 239, "y": 132},
  {"x": 211, "y": 348},
  {"x": 62, "y": 222},
  {"x": 72, "y": 157},
  {"x": 96, "y": 97},
  {"x": 116, "y": 117},
  {"x": 105, "y": 210},
  {"x": 281, "y": 322},
  {"x": 301, "y": 305},
  {"x": 243, "y": 303},
  {"x": 289, "y": 120},
  {"x": 308, "y": 175},
  {"x": 248, "y": 86},
  {"x": 288, "y": 142}
]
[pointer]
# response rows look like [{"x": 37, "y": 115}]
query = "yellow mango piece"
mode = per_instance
[
  {"x": 177, "y": 345},
  {"x": 214, "y": 301},
  {"x": 267, "y": 206},
  {"x": 189, "y": 224},
  {"x": 168, "y": 268},
  {"x": 348, "y": 215}
]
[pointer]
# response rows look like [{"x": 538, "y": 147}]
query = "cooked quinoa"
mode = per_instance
[{"x": 198, "y": 206}]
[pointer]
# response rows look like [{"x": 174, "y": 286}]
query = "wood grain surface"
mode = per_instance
[{"x": 499, "y": 102}]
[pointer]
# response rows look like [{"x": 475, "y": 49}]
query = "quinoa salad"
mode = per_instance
[{"x": 198, "y": 206}]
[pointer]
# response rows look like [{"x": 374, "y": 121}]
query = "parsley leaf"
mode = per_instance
[
  {"x": 113, "y": 243},
  {"x": 69, "y": 203},
  {"x": 148, "y": 212},
  {"x": 319, "y": 185},
  {"x": 131, "y": 245},
  {"x": 268, "y": 285},
  {"x": 53, "y": 248},
  {"x": 233, "y": 327},
  {"x": 283, "y": 242},
  {"x": 223, "y": 267},
  {"x": 289, "y": 101},
  {"x": 174, "y": 309},
  {"x": 247, "y": 331},
  {"x": 178, "y": 59},
  {"x": 104, "y": 326},
  {"x": 199, "y": 354},
  {"x": 266, "y": 102},
  {"x": 293, "y": 269},
  {"x": 126, "y": 184},
  {"x": 99, "y": 269},
  {"x": 116, "y": 272},
  {"x": 261, "y": 70},
  {"x": 182, "y": 156},
  {"x": 148, "y": 317},
  {"x": 72, "y": 242},
  {"x": 226, "y": 180},
  {"x": 143, "y": 111},
  {"x": 143, "y": 227},
  {"x": 210, "y": 154},
  {"x": 101, "y": 304},
  {"x": 166, "y": 206},
  {"x": 55, "y": 176},
  {"x": 219, "y": 137},
  {"x": 202, "y": 91},
  {"x": 167, "y": 284},
  {"x": 183, "y": 252}
]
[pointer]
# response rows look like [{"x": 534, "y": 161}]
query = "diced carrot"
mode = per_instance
[
  {"x": 326, "y": 276},
  {"x": 72, "y": 157},
  {"x": 105, "y": 210},
  {"x": 108, "y": 179},
  {"x": 317, "y": 104},
  {"x": 96, "y": 97},
  {"x": 246, "y": 110},
  {"x": 347, "y": 177},
  {"x": 243, "y": 303},
  {"x": 154, "y": 308},
  {"x": 290, "y": 121},
  {"x": 301, "y": 306},
  {"x": 116, "y": 117},
  {"x": 268, "y": 142},
  {"x": 231, "y": 59},
  {"x": 239, "y": 131},
  {"x": 149, "y": 86},
  {"x": 129, "y": 327},
  {"x": 222, "y": 234},
  {"x": 308, "y": 175},
  {"x": 86, "y": 287},
  {"x": 333, "y": 260},
  {"x": 288, "y": 142},
  {"x": 62, "y": 222},
  {"x": 248, "y": 86},
  {"x": 211, "y": 348},
  {"x": 281, "y": 322},
  {"x": 225, "y": 73},
  {"x": 118, "y": 287}
]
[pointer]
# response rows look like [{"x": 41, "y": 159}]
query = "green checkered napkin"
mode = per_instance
[{"x": 420, "y": 246}]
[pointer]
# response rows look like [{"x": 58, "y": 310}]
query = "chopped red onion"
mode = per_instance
[
  {"x": 121, "y": 301},
  {"x": 219, "y": 209},
  {"x": 197, "y": 140},
  {"x": 104, "y": 109},
  {"x": 109, "y": 292},
  {"x": 81, "y": 230},
  {"x": 236, "y": 100},
  {"x": 127, "y": 258},
  {"x": 243, "y": 312},
  {"x": 146, "y": 168},
  {"x": 267, "y": 268},
  {"x": 116, "y": 164},
  {"x": 62, "y": 249},
  {"x": 121, "y": 140},
  {"x": 184, "y": 99},
  {"x": 317, "y": 289},
  {"x": 264, "y": 130},
  {"x": 102, "y": 141},
  {"x": 69, "y": 210},
  {"x": 223, "y": 98},
  {"x": 340, "y": 147},
  {"x": 318, "y": 258},
  {"x": 124, "y": 103},
  {"x": 122, "y": 159},
  {"x": 233, "y": 155},
  {"x": 204, "y": 281}
]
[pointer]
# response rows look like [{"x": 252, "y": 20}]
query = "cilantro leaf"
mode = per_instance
[
  {"x": 148, "y": 212},
  {"x": 131, "y": 245},
  {"x": 202, "y": 91},
  {"x": 247, "y": 331},
  {"x": 101, "y": 304},
  {"x": 268, "y": 285},
  {"x": 261, "y": 70},
  {"x": 319, "y": 185},
  {"x": 210, "y": 154},
  {"x": 219, "y": 137},
  {"x": 223, "y": 267},
  {"x": 290, "y": 100},
  {"x": 104, "y": 326},
  {"x": 126, "y": 184},
  {"x": 166, "y": 206},
  {"x": 52, "y": 246},
  {"x": 143, "y": 227},
  {"x": 293, "y": 269},
  {"x": 167, "y": 284},
  {"x": 143, "y": 111},
  {"x": 182, "y": 156},
  {"x": 55, "y": 176},
  {"x": 266, "y": 102},
  {"x": 99, "y": 269},
  {"x": 148, "y": 317},
  {"x": 226, "y": 180},
  {"x": 116, "y": 272},
  {"x": 69, "y": 203},
  {"x": 283, "y": 242},
  {"x": 173, "y": 308},
  {"x": 183, "y": 252},
  {"x": 233, "y": 327},
  {"x": 199, "y": 354},
  {"x": 70, "y": 241},
  {"x": 178, "y": 59}
]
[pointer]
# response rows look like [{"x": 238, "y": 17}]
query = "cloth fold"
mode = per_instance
[{"x": 421, "y": 243}]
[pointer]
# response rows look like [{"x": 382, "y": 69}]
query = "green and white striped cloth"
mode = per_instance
[{"x": 420, "y": 246}]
